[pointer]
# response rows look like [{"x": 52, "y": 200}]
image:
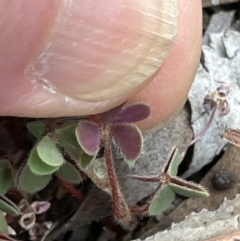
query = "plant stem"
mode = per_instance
[
  {"x": 69, "y": 186},
  {"x": 202, "y": 132},
  {"x": 121, "y": 210}
]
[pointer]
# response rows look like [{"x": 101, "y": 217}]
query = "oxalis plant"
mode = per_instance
[
  {"x": 169, "y": 185},
  {"x": 66, "y": 150},
  {"x": 214, "y": 101}
]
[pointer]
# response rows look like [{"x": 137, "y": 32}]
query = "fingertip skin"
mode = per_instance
[
  {"x": 83, "y": 56},
  {"x": 46, "y": 72},
  {"x": 167, "y": 92}
]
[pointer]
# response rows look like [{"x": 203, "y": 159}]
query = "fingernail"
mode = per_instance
[{"x": 96, "y": 51}]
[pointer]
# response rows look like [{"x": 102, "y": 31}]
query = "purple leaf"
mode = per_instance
[
  {"x": 108, "y": 116},
  {"x": 129, "y": 140},
  {"x": 132, "y": 113},
  {"x": 89, "y": 136},
  {"x": 40, "y": 206},
  {"x": 223, "y": 90},
  {"x": 209, "y": 104}
]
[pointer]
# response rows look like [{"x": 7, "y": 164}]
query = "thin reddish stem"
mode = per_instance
[
  {"x": 141, "y": 210},
  {"x": 69, "y": 186},
  {"x": 202, "y": 132},
  {"x": 121, "y": 210},
  {"x": 155, "y": 178}
]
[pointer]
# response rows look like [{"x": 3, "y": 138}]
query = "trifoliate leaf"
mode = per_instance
[
  {"x": 7, "y": 206},
  {"x": 161, "y": 201},
  {"x": 70, "y": 173},
  {"x": 66, "y": 136},
  {"x": 3, "y": 224},
  {"x": 39, "y": 167},
  {"x": 171, "y": 167},
  {"x": 187, "y": 189},
  {"x": 6, "y": 175},
  {"x": 129, "y": 140},
  {"x": 30, "y": 182},
  {"x": 132, "y": 113},
  {"x": 49, "y": 153},
  {"x": 36, "y": 128},
  {"x": 88, "y": 135}
]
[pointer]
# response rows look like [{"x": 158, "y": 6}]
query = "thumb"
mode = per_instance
[{"x": 62, "y": 58}]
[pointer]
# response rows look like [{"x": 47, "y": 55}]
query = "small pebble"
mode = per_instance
[{"x": 222, "y": 180}]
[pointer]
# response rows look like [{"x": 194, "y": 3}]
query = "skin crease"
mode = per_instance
[{"x": 166, "y": 92}]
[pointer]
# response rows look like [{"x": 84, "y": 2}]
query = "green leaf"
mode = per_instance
[
  {"x": 86, "y": 160},
  {"x": 39, "y": 167},
  {"x": 161, "y": 201},
  {"x": 6, "y": 175},
  {"x": 187, "y": 189},
  {"x": 68, "y": 172},
  {"x": 49, "y": 153},
  {"x": 176, "y": 160},
  {"x": 171, "y": 166},
  {"x": 3, "y": 224},
  {"x": 36, "y": 128},
  {"x": 131, "y": 164},
  {"x": 30, "y": 182},
  {"x": 66, "y": 137},
  {"x": 7, "y": 206}
]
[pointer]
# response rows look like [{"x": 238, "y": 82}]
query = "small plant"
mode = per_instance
[
  {"x": 169, "y": 184},
  {"x": 115, "y": 126},
  {"x": 28, "y": 220},
  {"x": 47, "y": 158},
  {"x": 66, "y": 150},
  {"x": 216, "y": 100},
  {"x": 7, "y": 207}
]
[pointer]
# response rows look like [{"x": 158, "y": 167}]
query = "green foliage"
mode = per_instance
[
  {"x": 175, "y": 160},
  {"x": 66, "y": 137},
  {"x": 7, "y": 206},
  {"x": 162, "y": 200},
  {"x": 46, "y": 158},
  {"x": 193, "y": 191},
  {"x": 49, "y": 153},
  {"x": 6, "y": 175},
  {"x": 68, "y": 172},
  {"x": 39, "y": 167},
  {"x": 36, "y": 128},
  {"x": 30, "y": 182},
  {"x": 3, "y": 224},
  {"x": 169, "y": 184},
  {"x": 86, "y": 160}
]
